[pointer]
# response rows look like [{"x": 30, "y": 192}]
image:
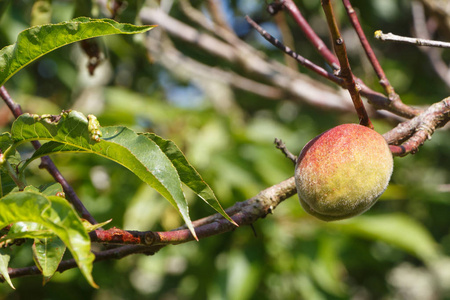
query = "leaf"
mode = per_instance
[
  {"x": 37, "y": 41},
  {"x": 47, "y": 254},
  {"x": 51, "y": 189},
  {"x": 137, "y": 153},
  {"x": 4, "y": 261},
  {"x": 42, "y": 233},
  {"x": 48, "y": 249},
  {"x": 396, "y": 229},
  {"x": 91, "y": 227},
  {"x": 55, "y": 214},
  {"x": 5, "y": 141},
  {"x": 188, "y": 175}
]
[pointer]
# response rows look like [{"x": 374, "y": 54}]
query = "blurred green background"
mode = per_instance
[{"x": 400, "y": 249}]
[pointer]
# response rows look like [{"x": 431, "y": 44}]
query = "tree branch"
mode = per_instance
[
  {"x": 148, "y": 242},
  {"x": 390, "y": 37},
  {"x": 369, "y": 52},
  {"x": 378, "y": 100},
  {"x": 310, "y": 34},
  {"x": 345, "y": 72},
  {"x": 300, "y": 59},
  {"x": 298, "y": 87},
  {"x": 408, "y": 136}
]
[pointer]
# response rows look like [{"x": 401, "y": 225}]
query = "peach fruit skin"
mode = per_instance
[{"x": 342, "y": 172}]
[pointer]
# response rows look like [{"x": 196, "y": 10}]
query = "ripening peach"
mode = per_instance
[{"x": 342, "y": 172}]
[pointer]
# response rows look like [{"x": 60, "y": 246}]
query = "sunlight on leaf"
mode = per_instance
[
  {"x": 37, "y": 41},
  {"x": 188, "y": 175},
  {"x": 55, "y": 214},
  {"x": 139, "y": 154}
]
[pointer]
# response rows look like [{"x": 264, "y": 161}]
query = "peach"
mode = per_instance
[{"x": 342, "y": 172}]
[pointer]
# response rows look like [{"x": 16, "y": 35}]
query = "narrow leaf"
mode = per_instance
[
  {"x": 4, "y": 261},
  {"x": 57, "y": 215},
  {"x": 37, "y": 41},
  {"x": 188, "y": 175},
  {"x": 91, "y": 227},
  {"x": 73, "y": 133}
]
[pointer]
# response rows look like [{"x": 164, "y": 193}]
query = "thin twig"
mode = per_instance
[
  {"x": 345, "y": 71},
  {"x": 378, "y": 100},
  {"x": 369, "y": 52},
  {"x": 48, "y": 164},
  {"x": 303, "y": 61},
  {"x": 390, "y": 37},
  {"x": 310, "y": 34},
  {"x": 280, "y": 145},
  {"x": 298, "y": 86}
]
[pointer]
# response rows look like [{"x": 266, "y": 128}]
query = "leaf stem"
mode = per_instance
[{"x": 15, "y": 177}]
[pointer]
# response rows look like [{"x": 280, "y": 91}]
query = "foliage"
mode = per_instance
[
  {"x": 70, "y": 132},
  {"x": 227, "y": 134}
]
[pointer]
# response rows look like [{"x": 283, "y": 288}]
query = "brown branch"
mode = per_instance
[
  {"x": 310, "y": 34},
  {"x": 48, "y": 164},
  {"x": 345, "y": 71},
  {"x": 369, "y": 52},
  {"x": 115, "y": 253},
  {"x": 280, "y": 145},
  {"x": 243, "y": 213},
  {"x": 300, "y": 59},
  {"x": 408, "y": 136},
  {"x": 297, "y": 86},
  {"x": 378, "y": 100}
]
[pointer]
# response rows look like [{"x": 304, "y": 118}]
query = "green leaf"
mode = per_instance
[
  {"x": 188, "y": 175},
  {"x": 51, "y": 189},
  {"x": 136, "y": 152},
  {"x": 55, "y": 214},
  {"x": 91, "y": 227},
  {"x": 4, "y": 261},
  {"x": 48, "y": 249},
  {"x": 42, "y": 234},
  {"x": 37, "y": 41},
  {"x": 47, "y": 254},
  {"x": 395, "y": 229},
  {"x": 5, "y": 141}
]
